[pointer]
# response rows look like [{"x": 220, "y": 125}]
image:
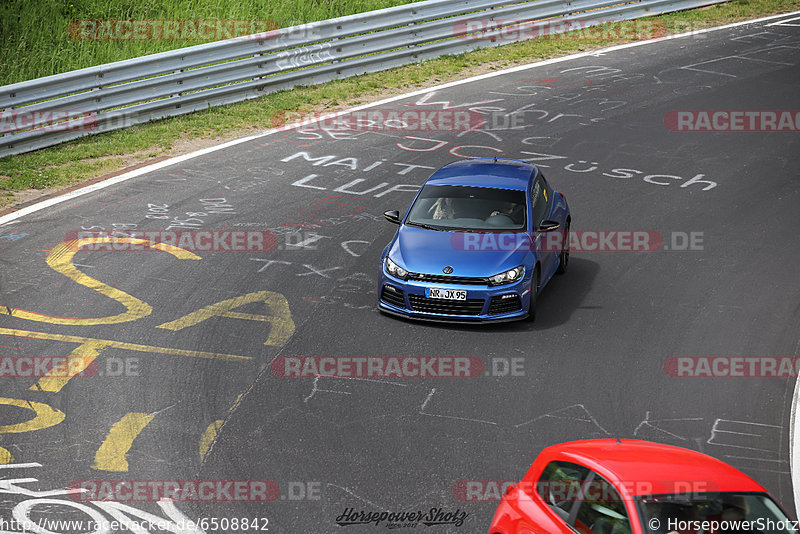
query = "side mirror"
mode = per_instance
[
  {"x": 392, "y": 216},
  {"x": 548, "y": 226}
]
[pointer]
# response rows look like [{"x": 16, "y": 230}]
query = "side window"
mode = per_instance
[
  {"x": 539, "y": 201},
  {"x": 560, "y": 485},
  {"x": 602, "y": 510}
]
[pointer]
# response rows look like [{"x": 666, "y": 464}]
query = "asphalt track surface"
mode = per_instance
[{"x": 592, "y": 365}]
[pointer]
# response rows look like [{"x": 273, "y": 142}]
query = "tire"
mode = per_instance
[
  {"x": 563, "y": 257},
  {"x": 534, "y": 295}
]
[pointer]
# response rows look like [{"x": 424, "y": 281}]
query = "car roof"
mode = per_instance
[
  {"x": 663, "y": 466},
  {"x": 501, "y": 173}
]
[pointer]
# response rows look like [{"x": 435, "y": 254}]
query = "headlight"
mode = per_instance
[
  {"x": 395, "y": 270},
  {"x": 512, "y": 275}
]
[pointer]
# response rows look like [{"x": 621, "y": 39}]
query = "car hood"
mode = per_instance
[{"x": 419, "y": 250}]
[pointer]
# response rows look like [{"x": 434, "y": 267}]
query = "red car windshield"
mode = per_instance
[{"x": 713, "y": 513}]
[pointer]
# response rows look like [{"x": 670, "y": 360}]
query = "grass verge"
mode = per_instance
[
  {"x": 53, "y": 36},
  {"x": 76, "y": 161}
]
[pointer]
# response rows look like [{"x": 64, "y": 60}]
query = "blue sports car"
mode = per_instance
[{"x": 479, "y": 242}]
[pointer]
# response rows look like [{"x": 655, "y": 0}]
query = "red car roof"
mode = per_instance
[{"x": 644, "y": 467}]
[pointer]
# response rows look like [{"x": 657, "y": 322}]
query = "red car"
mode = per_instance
[{"x": 622, "y": 486}]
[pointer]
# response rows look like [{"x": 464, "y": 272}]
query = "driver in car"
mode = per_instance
[
  {"x": 511, "y": 209},
  {"x": 505, "y": 209}
]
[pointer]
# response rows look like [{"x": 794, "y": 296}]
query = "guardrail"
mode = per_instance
[{"x": 50, "y": 110}]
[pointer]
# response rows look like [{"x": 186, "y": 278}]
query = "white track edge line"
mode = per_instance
[{"x": 794, "y": 461}]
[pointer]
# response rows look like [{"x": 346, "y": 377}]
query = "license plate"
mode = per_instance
[{"x": 448, "y": 294}]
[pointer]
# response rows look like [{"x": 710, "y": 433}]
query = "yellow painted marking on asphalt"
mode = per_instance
[
  {"x": 210, "y": 433},
  {"x": 44, "y": 416},
  {"x": 60, "y": 259},
  {"x": 281, "y": 320},
  {"x": 236, "y": 402},
  {"x": 5, "y": 456},
  {"x": 121, "y": 345},
  {"x": 111, "y": 456},
  {"x": 77, "y": 362},
  {"x": 208, "y": 437}
]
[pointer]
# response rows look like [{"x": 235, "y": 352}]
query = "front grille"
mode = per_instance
[
  {"x": 392, "y": 295},
  {"x": 446, "y": 306},
  {"x": 508, "y": 304},
  {"x": 447, "y": 279}
]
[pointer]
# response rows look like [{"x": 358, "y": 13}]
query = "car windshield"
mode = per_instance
[
  {"x": 456, "y": 207},
  {"x": 713, "y": 513}
]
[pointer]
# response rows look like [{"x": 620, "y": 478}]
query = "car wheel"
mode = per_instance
[
  {"x": 534, "y": 295},
  {"x": 563, "y": 257}
]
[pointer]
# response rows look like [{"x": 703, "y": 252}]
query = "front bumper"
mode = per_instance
[{"x": 484, "y": 303}]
